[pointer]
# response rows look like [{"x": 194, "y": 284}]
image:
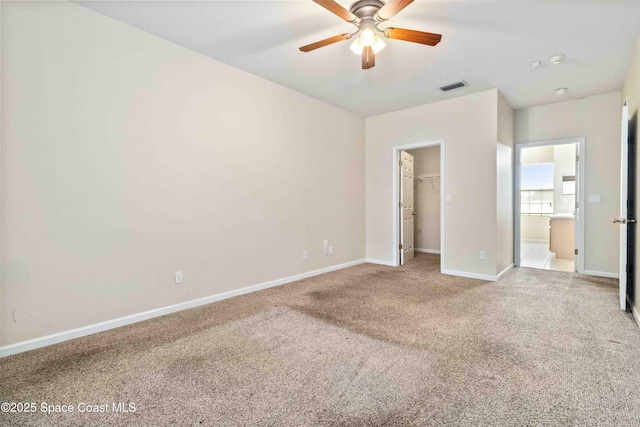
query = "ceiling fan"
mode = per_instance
[{"x": 367, "y": 15}]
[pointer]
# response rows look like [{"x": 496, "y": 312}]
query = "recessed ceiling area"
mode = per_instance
[{"x": 488, "y": 44}]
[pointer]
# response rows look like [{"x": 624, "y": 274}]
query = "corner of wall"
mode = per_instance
[{"x": 506, "y": 121}]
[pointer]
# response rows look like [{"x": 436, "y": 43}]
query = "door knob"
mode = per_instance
[
  {"x": 413, "y": 214},
  {"x": 623, "y": 221}
]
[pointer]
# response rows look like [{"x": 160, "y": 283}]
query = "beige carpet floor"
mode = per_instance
[{"x": 365, "y": 346}]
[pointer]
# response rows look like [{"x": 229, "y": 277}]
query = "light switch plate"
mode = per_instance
[{"x": 594, "y": 198}]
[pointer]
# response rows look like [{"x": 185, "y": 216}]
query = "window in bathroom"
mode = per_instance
[{"x": 536, "y": 195}]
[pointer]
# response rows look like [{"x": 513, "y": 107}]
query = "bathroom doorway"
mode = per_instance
[{"x": 548, "y": 220}]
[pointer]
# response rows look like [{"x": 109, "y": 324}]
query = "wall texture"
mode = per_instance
[
  {"x": 468, "y": 126},
  {"x": 597, "y": 118},
  {"x": 127, "y": 158}
]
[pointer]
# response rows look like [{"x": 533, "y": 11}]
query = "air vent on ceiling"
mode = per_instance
[{"x": 455, "y": 85}]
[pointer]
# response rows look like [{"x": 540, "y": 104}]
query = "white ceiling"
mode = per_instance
[{"x": 489, "y": 44}]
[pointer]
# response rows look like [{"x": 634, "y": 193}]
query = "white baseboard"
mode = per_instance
[
  {"x": 427, "y": 251},
  {"x": 381, "y": 262},
  {"x": 470, "y": 275},
  {"x": 134, "y": 318},
  {"x": 634, "y": 312},
  {"x": 505, "y": 271},
  {"x": 601, "y": 274}
]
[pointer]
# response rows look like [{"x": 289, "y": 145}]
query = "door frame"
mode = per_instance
[
  {"x": 396, "y": 195},
  {"x": 580, "y": 175}
]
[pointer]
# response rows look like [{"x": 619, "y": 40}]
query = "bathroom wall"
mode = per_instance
[{"x": 564, "y": 163}]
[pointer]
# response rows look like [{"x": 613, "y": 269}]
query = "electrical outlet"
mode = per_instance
[
  {"x": 483, "y": 255},
  {"x": 178, "y": 277},
  {"x": 305, "y": 255},
  {"x": 330, "y": 250}
]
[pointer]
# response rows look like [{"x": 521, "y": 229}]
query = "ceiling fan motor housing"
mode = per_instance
[{"x": 364, "y": 9}]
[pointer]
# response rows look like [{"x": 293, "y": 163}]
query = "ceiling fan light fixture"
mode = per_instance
[
  {"x": 377, "y": 45},
  {"x": 366, "y": 15},
  {"x": 357, "y": 47},
  {"x": 367, "y": 37}
]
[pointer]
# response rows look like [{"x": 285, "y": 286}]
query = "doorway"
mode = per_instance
[
  {"x": 549, "y": 223},
  {"x": 427, "y": 180},
  {"x": 420, "y": 230}
]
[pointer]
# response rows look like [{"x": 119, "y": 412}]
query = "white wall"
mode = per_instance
[
  {"x": 564, "y": 163},
  {"x": 597, "y": 118},
  {"x": 1, "y": 174},
  {"x": 126, "y": 158},
  {"x": 427, "y": 198},
  {"x": 534, "y": 228},
  {"x": 533, "y": 155},
  {"x": 504, "y": 184},
  {"x": 631, "y": 90},
  {"x": 468, "y": 126}
]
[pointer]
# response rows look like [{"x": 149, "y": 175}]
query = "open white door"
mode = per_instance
[
  {"x": 406, "y": 207},
  {"x": 624, "y": 179}
]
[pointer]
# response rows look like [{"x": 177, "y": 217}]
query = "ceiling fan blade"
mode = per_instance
[
  {"x": 325, "y": 42},
  {"x": 335, "y": 8},
  {"x": 390, "y": 9},
  {"x": 368, "y": 58},
  {"x": 414, "y": 36}
]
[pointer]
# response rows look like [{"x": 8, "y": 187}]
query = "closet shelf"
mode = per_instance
[{"x": 428, "y": 176}]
